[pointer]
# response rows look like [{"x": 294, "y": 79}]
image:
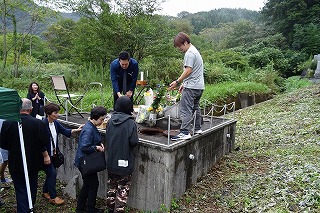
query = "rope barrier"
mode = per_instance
[
  {"x": 214, "y": 108},
  {"x": 224, "y": 108}
]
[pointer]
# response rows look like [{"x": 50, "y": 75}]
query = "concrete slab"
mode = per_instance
[{"x": 163, "y": 169}]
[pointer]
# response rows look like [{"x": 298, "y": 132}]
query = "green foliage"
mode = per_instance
[
  {"x": 306, "y": 38},
  {"x": 39, "y": 49},
  {"x": 294, "y": 60},
  {"x": 161, "y": 69},
  {"x": 158, "y": 96},
  {"x": 232, "y": 34},
  {"x": 232, "y": 59},
  {"x": 295, "y": 82},
  {"x": 284, "y": 15},
  {"x": 213, "y": 18},
  {"x": 218, "y": 72},
  {"x": 269, "y": 56},
  {"x": 182, "y": 25},
  {"x": 277, "y": 41},
  {"x": 243, "y": 33},
  {"x": 164, "y": 209},
  {"x": 174, "y": 204},
  {"x": 222, "y": 91},
  {"x": 309, "y": 66},
  {"x": 267, "y": 76},
  {"x": 59, "y": 37}
]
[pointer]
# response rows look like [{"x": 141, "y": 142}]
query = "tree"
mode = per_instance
[
  {"x": 283, "y": 15},
  {"x": 31, "y": 12},
  {"x": 59, "y": 37},
  {"x": 306, "y": 38},
  {"x": 232, "y": 34},
  {"x": 4, "y": 32},
  {"x": 102, "y": 32}
]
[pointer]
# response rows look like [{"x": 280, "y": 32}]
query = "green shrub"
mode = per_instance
[
  {"x": 267, "y": 76},
  {"x": 164, "y": 70},
  {"x": 269, "y": 56},
  {"x": 218, "y": 72},
  {"x": 232, "y": 59},
  {"x": 222, "y": 91},
  {"x": 295, "y": 82}
]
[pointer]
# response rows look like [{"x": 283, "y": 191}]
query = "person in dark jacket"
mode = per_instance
[
  {"x": 37, "y": 97},
  {"x": 90, "y": 141},
  {"x": 124, "y": 73},
  {"x": 35, "y": 138},
  {"x": 54, "y": 128},
  {"x": 121, "y": 138}
]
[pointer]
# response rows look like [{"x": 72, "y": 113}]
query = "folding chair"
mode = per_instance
[
  {"x": 99, "y": 85},
  {"x": 64, "y": 96}
]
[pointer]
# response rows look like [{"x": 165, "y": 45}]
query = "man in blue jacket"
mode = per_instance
[{"x": 124, "y": 73}]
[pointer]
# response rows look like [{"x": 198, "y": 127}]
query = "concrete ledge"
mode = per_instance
[{"x": 162, "y": 171}]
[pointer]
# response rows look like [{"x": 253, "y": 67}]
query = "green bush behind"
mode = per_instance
[{"x": 222, "y": 81}]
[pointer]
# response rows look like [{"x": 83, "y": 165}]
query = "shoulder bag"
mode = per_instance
[
  {"x": 93, "y": 163},
  {"x": 58, "y": 157}
]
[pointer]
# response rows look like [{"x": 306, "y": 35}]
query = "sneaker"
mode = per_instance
[
  {"x": 181, "y": 136},
  {"x": 6, "y": 180},
  {"x": 56, "y": 201},
  {"x": 199, "y": 131}
]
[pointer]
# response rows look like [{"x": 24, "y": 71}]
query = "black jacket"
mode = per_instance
[
  {"x": 121, "y": 138},
  {"x": 37, "y": 105},
  {"x": 35, "y": 137}
]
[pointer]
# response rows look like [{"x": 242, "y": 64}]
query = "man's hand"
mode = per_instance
[
  {"x": 173, "y": 85},
  {"x": 181, "y": 88}
]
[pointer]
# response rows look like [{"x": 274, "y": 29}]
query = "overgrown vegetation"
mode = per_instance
[{"x": 275, "y": 167}]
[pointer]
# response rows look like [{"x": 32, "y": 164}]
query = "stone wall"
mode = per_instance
[{"x": 162, "y": 172}]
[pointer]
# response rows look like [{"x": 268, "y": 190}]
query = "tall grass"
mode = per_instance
[
  {"x": 222, "y": 91},
  {"x": 296, "y": 82}
]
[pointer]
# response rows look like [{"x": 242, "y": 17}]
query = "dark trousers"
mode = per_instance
[
  {"x": 21, "y": 190},
  {"x": 118, "y": 191},
  {"x": 190, "y": 103},
  {"x": 88, "y": 193},
  {"x": 50, "y": 183}
]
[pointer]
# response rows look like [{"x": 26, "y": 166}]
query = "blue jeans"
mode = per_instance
[
  {"x": 21, "y": 190},
  {"x": 190, "y": 103},
  {"x": 50, "y": 183}
]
